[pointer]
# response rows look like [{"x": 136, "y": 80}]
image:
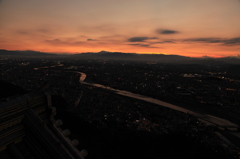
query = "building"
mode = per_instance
[{"x": 28, "y": 129}]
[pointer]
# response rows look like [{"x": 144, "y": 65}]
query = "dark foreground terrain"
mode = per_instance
[
  {"x": 113, "y": 126},
  {"x": 128, "y": 128}
]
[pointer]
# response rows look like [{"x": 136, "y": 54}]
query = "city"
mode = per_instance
[{"x": 108, "y": 122}]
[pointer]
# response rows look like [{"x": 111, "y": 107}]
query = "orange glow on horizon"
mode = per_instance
[
  {"x": 70, "y": 50},
  {"x": 165, "y": 27},
  {"x": 115, "y": 44}
]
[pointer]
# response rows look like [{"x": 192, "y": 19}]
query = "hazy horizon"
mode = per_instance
[
  {"x": 78, "y": 53},
  {"x": 187, "y": 28}
]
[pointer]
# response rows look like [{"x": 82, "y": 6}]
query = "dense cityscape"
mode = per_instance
[{"x": 119, "y": 123}]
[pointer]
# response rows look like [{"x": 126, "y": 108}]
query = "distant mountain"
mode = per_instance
[
  {"x": 28, "y": 53},
  {"x": 131, "y": 56},
  {"x": 105, "y": 55}
]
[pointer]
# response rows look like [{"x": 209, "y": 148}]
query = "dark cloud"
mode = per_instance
[
  {"x": 163, "y": 42},
  {"x": 168, "y": 41},
  {"x": 233, "y": 41},
  {"x": 140, "y": 39},
  {"x": 230, "y": 41},
  {"x": 147, "y": 42},
  {"x": 137, "y": 39},
  {"x": 55, "y": 40},
  {"x": 91, "y": 40},
  {"x": 143, "y": 45},
  {"x": 160, "y": 31},
  {"x": 206, "y": 40}
]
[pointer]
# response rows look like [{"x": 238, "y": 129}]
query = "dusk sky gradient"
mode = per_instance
[{"x": 183, "y": 27}]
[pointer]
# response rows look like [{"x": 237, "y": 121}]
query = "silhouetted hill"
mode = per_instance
[
  {"x": 105, "y": 55},
  {"x": 132, "y": 56},
  {"x": 28, "y": 53}
]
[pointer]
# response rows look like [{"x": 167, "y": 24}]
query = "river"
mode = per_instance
[{"x": 208, "y": 119}]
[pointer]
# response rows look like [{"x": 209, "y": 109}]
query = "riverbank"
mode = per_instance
[{"x": 209, "y": 118}]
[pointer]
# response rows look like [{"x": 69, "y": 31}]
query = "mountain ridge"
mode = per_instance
[{"x": 106, "y": 55}]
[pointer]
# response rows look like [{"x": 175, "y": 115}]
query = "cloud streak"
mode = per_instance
[
  {"x": 148, "y": 42},
  {"x": 166, "y": 41},
  {"x": 230, "y": 41},
  {"x": 160, "y": 31},
  {"x": 143, "y": 45},
  {"x": 91, "y": 40},
  {"x": 140, "y": 39}
]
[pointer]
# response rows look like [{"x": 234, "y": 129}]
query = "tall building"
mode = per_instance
[{"x": 28, "y": 129}]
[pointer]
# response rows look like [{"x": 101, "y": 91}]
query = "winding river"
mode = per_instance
[{"x": 208, "y": 119}]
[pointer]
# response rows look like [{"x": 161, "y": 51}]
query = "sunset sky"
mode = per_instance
[{"x": 183, "y": 27}]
